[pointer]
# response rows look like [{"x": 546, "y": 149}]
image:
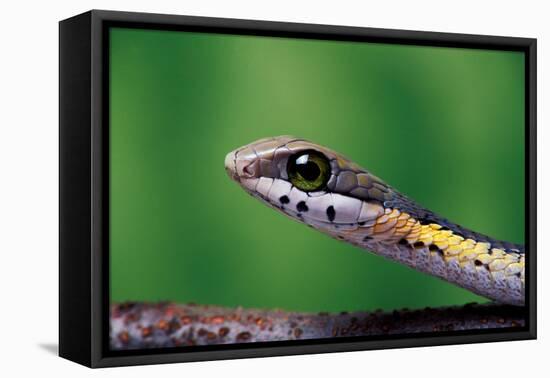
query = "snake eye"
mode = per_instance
[{"x": 308, "y": 171}]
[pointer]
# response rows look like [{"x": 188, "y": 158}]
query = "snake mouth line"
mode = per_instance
[{"x": 293, "y": 214}]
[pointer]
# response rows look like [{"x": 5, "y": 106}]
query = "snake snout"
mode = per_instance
[
  {"x": 239, "y": 165},
  {"x": 230, "y": 166}
]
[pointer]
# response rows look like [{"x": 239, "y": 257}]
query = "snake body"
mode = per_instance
[{"x": 355, "y": 206}]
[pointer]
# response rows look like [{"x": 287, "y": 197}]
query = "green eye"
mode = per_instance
[{"x": 308, "y": 171}]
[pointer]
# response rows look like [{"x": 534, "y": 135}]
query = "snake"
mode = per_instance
[{"x": 314, "y": 185}]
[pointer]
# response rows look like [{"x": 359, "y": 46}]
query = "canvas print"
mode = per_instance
[{"x": 268, "y": 189}]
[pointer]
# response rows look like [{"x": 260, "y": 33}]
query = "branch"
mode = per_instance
[{"x": 151, "y": 325}]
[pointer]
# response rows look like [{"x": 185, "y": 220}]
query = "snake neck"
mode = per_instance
[{"x": 487, "y": 267}]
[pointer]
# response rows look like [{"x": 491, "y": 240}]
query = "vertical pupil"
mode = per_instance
[{"x": 308, "y": 169}]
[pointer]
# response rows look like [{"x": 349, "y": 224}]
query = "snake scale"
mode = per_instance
[{"x": 321, "y": 188}]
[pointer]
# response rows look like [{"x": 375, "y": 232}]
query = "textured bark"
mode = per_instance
[{"x": 151, "y": 325}]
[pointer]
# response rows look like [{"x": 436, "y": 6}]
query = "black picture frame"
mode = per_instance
[{"x": 84, "y": 201}]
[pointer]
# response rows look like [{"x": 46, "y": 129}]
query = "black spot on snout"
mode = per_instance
[{"x": 331, "y": 213}]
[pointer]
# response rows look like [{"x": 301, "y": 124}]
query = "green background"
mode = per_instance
[{"x": 444, "y": 126}]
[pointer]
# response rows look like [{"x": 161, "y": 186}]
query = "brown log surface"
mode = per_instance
[{"x": 157, "y": 325}]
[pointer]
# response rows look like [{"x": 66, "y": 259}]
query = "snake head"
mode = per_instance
[{"x": 308, "y": 182}]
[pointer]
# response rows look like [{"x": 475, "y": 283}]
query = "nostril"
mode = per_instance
[{"x": 251, "y": 169}]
